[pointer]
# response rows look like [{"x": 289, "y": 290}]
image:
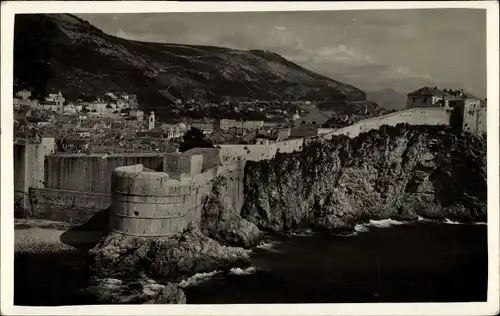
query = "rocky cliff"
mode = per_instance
[
  {"x": 395, "y": 172},
  {"x": 68, "y": 54},
  {"x": 124, "y": 266},
  {"x": 401, "y": 172}
]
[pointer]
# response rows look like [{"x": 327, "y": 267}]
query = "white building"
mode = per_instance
[
  {"x": 70, "y": 109},
  {"x": 57, "y": 98},
  {"x": 111, "y": 95},
  {"x": 23, "y": 94}
]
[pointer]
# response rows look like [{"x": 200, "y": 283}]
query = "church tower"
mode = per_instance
[{"x": 152, "y": 120}]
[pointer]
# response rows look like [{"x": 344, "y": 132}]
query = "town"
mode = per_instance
[
  {"x": 114, "y": 123},
  {"x": 48, "y": 132}
]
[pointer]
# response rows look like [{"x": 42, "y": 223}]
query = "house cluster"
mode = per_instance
[
  {"x": 111, "y": 105},
  {"x": 114, "y": 104},
  {"x": 435, "y": 97}
]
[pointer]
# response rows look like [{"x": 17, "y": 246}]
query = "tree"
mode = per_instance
[{"x": 193, "y": 138}]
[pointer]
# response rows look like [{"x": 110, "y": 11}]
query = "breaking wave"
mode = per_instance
[
  {"x": 423, "y": 219},
  {"x": 305, "y": 232},
  {"x": 197, "y": 279},
  {"x": 269, "y": 246},
  {"x": 480, "y": 223},
  {"x": 240, "y": 271},
  {"x": 361, "y": 228},
  {"x": 383, "y": 223},
  {"x": 448, "y": 221}
]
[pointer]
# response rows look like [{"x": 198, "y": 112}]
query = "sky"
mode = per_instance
[{"x": 399, "y": 49}]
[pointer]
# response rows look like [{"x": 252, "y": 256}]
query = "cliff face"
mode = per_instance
[
  {"x": 63, "y": 52},
  {"x": 222, "y": 222},
  {"x": 395, "y": 172}
]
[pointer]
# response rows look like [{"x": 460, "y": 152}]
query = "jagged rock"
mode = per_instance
[
  {"x": 395, "y": 172},
  {"x": 221, "y": 222},
  {"x": 170, "y": 294},
  {"x": 138, "y": 291},
  {"x": 166, "y": 258}
]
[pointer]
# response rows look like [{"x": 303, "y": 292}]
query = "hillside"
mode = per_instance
[
  {"x": 388, "y": 98},
  {"x": 62, "y": 52}
]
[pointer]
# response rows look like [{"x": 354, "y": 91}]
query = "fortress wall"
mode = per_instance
[
  {"x": 482, "y": 120},
  {"x": 92, "y": 173},
  {"x": 148, "y": 203},
  {"x": 230, "y": 154},
  {"x": 29, "y": 171},
  {"x": 474, "y": 117},
  {"x": 153, "y": 204},
  {"x": 73, "y": 207},
  {"x": 325, "y": 130},
  {"x": 210, "y": 156},
  {"x": 414, "y": 116},
  {"x": 180, "y": 165},
  {"x": 234, "y": 174}
]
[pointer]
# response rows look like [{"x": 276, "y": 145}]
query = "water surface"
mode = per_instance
[{"x": 402, "y": 263}]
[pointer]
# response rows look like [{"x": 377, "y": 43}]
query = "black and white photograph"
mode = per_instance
[{"x": 237, "y": 157}]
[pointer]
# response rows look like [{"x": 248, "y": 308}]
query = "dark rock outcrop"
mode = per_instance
[
  {"x": 222, "y": 222},
  {"x": 139, "y": 291},
  {"x": 395, "y": 172},
  {"x": 166, "y": 259}
]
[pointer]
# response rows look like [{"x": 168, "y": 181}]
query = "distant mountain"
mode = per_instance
[
  {"x": 388, "y": 98},
  {"x": 62, "y": 52}
]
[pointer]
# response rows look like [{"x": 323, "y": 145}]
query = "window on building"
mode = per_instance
[
  {"x": 413, "y": 99},
  {"x": 425, "y": 100}
]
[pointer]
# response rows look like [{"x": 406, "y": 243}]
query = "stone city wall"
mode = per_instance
[
  {"x": 415, "y": 116},
  {"x": 234, "y": 153},
  {"x": 29, "y": 171},
  {"x": 74, "y": 207},
  {"x": 92, "y": 173},
  {"x": 474, "y": 117}
]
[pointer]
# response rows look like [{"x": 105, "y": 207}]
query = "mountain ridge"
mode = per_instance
[{"x": 69, "y": 54}]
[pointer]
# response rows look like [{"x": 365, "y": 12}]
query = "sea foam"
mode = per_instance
[
  {"x": 448, "y": 221},
  {"x": 383, "y": 223},
  {"x": 197, "y": 279},
  {"x": 240, "y": 271},
  {"x": 268, "y": 246}
]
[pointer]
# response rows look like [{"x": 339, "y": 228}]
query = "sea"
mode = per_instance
[{"x": 383, "y": 261}]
